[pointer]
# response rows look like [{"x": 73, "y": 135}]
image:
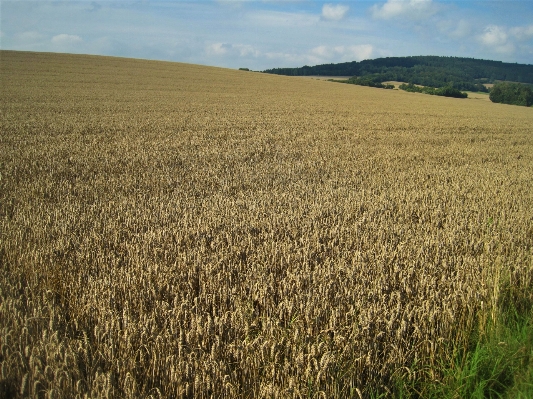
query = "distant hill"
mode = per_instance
[{"x": 435, "y": 71}]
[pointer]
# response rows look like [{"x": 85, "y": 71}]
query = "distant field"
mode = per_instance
[
  {"x": 478, "y": 96},
  {"x": 181, "y": 231}
]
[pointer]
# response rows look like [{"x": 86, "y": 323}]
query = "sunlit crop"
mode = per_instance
[{"x": 173, "y": 230}]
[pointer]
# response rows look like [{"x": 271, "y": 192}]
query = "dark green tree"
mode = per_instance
[
  {"x": 465, "y": 73},
  {"x": 511, "y": 93},
  {"x": 446, "y": 91}
]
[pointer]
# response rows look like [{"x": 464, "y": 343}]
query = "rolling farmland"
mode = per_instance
[{"x": 179, "y": 231}]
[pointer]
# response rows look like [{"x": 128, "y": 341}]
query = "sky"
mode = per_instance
[{"x": 269, "y": 34}]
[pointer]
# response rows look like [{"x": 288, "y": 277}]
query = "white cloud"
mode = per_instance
[
  {"x": 359, "y": 52},
  {"x": 334, "y": 12},
  {"x": 496, "y": 38},
  {"x": 218, "y": 48},
  {"x": 324, "y": 54},
  {"x": 462, "y": 29},
  {"x": 321, "y": 51},
  {"x": 64, "y": 39},
  {"x": 455, "y": 29},
  {"x": 507, "y": 48},
  {"x": 267, "y": 33},
  {"x": 412, "y": 9},
  {"x": 231, "y": 3},
  {"x": 281, "y": 19},
  {"x": 317, "y": 55},
  {"x": 522, "y": 32},
  {"x": 506, "y": 41},
  {"x": 233, "y": 50},
  {"x": 246, "y": 50},
  {"x": 284, "y": 57}
]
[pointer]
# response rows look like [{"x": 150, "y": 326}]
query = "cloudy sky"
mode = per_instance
[{"x": 267, "y": 34}]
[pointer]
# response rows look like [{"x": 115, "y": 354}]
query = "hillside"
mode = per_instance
[
  {"x": 180, "y": 231},
  {"x": 434, "y": 71}
]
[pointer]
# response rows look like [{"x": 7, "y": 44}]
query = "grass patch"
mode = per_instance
[
  {"x": 497, "y": 363},
  {"x": 494, "y": 366}
]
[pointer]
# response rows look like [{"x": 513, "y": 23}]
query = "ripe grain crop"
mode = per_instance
[{"x": 173, "y": 230}]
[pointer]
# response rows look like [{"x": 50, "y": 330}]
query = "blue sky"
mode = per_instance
[{"x": 266, "y": 34}]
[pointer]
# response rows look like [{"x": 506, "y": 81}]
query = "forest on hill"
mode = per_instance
[{"x": 434, "y": 71}]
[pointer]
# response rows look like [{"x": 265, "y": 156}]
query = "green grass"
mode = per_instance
[{"x": 497, "y": 363}]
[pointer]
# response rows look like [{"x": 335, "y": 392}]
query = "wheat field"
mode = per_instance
[{"x": 181, "y": 231}]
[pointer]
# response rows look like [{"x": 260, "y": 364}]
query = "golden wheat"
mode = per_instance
[{"x": 173, "y": 230}]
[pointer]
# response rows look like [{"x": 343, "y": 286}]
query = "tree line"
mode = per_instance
[
  {"x": 370, "y": 81},
  {"x": 434, "y": 71},
  {"x": 446, "y": 91},
  {"x": 511, "y": 93}
]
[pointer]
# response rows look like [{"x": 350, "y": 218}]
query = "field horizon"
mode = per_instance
[{"x": 175, "y": 230}]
